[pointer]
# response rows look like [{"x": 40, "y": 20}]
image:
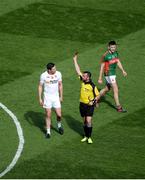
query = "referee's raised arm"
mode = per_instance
[{"x": 77, "y": 67}]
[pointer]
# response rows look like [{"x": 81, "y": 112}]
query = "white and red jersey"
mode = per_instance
[{"x": 50, "y": 83}]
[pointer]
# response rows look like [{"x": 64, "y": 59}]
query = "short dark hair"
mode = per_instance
[
  {"x": 50, "y": 66},
  {"x": 112, "y": 43},
  {"x": 88, "y": 73}
]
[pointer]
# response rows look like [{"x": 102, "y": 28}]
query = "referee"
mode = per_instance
[{"x": 89, "y": 95}]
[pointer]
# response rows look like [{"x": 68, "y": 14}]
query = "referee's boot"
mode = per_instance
[
  {"x": 84, "y": 139},
  {"x": 61, "y": 130},
  {"x": 90, "y": 140}
]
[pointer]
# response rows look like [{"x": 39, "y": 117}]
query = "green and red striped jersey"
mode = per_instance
[{"x": 110, "y": 60}]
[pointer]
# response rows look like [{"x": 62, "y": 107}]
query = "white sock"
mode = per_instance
[
  {"x": 48, "y": 130},
  {"x": 59, "y": 124}
]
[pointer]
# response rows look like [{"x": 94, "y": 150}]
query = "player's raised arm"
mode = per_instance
[{"x": 77, "y": 67}]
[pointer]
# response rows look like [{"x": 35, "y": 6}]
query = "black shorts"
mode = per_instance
[{"x": 86, "y": 110}]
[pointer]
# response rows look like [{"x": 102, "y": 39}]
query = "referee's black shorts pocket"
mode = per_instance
[{"x": 86, "y": 110}]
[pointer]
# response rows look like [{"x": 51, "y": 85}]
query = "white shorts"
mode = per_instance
[
  {"x": 51, "y": 102},
  {"x": 110, "y": 79}
]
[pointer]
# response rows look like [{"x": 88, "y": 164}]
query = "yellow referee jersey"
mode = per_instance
[{"x": 88, "y": 92}]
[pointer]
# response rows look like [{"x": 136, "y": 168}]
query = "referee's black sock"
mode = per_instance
[
  {"x": 89, "y": 131},
  {"x": 86, "y": 130}
]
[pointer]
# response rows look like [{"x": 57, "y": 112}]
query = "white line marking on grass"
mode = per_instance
[{"x": 21, "y": 140}]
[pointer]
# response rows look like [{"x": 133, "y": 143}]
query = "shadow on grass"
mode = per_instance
[
  {"x": 74, "y": 124},
  {"x": 104, "y": 100},
  {"x": 38, "y": 119}
]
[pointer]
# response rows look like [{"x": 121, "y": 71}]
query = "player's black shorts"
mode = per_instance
[{"x": 86, "y": 110}]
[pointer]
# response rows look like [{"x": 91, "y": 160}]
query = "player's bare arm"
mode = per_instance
[
  {"x": 77, "y": 67},
  {"x": 60, "y": 90},
  {"x": 121, "y": 68},
  {"x": 40, "y": 89}
]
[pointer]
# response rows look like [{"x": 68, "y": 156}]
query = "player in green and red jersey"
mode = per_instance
[{"x": 109, "y": 62}]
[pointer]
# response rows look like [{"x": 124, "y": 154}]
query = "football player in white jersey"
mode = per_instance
[{"x": 50, "y": 91}]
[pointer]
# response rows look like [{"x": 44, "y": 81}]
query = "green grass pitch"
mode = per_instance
[{"x": 34, "y": 32}]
